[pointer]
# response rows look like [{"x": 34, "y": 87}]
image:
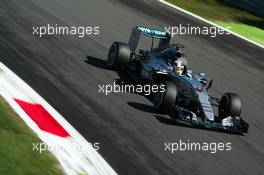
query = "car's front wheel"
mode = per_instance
[
  {"x": 230, "y": 105},
  {"x": 165, "y": 99}
]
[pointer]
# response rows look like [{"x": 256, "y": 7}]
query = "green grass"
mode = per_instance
[
  {"x": 241, "y": 22},
  {"x": 253, "y": 33},
  {"x": 16, "y": 148}
]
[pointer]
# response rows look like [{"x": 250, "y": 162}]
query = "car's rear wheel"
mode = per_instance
[
  {"x": 118, "y": 55},
  {"x": 164, "y": 100},
  {"x": 230, "y": 105}
]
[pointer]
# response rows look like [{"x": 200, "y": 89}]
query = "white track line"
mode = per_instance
[
  {"x": 11, "y": 86},
  {"x": 210, "y": 22}
]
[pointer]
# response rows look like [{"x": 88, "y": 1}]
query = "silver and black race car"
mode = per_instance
[{"x": 185, "y": 98}]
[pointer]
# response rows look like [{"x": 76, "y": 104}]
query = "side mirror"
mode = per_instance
[
  {"x": 209, "y": 84},
  {"x": 142, "y": 52}
]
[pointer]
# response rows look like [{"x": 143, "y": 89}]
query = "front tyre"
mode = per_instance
[
  {"x": 230, "y": 105},
  {"x": 118, "y": 55},
  {"x": 163, "y": 101}
]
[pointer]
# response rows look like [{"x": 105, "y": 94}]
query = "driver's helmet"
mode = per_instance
[{"x": 178, "y": 67}]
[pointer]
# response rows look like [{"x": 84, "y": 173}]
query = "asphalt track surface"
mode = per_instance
[{"x": 131, "y": 137}]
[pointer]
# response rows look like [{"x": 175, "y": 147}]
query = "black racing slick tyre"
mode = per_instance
[
  {"x": 230, "y": 105},
  {"x": 118, "y": 55},
  {"x": 164, "y": 100}
]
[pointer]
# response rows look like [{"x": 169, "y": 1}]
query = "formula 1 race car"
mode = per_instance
[{"x": 185, "y": 98}]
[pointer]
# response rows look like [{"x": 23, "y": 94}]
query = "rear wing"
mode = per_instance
[
  {"x": 164, "y": 38},
  {"x": 152, "y": 32}
]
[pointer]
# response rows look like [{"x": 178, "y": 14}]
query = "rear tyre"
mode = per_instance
[
  {"x": 230, "y": 105},
  {"x": 163, "y": 101},
  {"x": 118, "y": 55}
]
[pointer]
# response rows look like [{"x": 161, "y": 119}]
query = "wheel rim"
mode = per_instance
[
  {"x": 158, "y": 99},
  {"x": 112, "y": 55},
  {"x": 223, "y": 107}
]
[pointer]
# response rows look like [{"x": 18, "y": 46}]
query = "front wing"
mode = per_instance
[{"x": 239, "y": 127}]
